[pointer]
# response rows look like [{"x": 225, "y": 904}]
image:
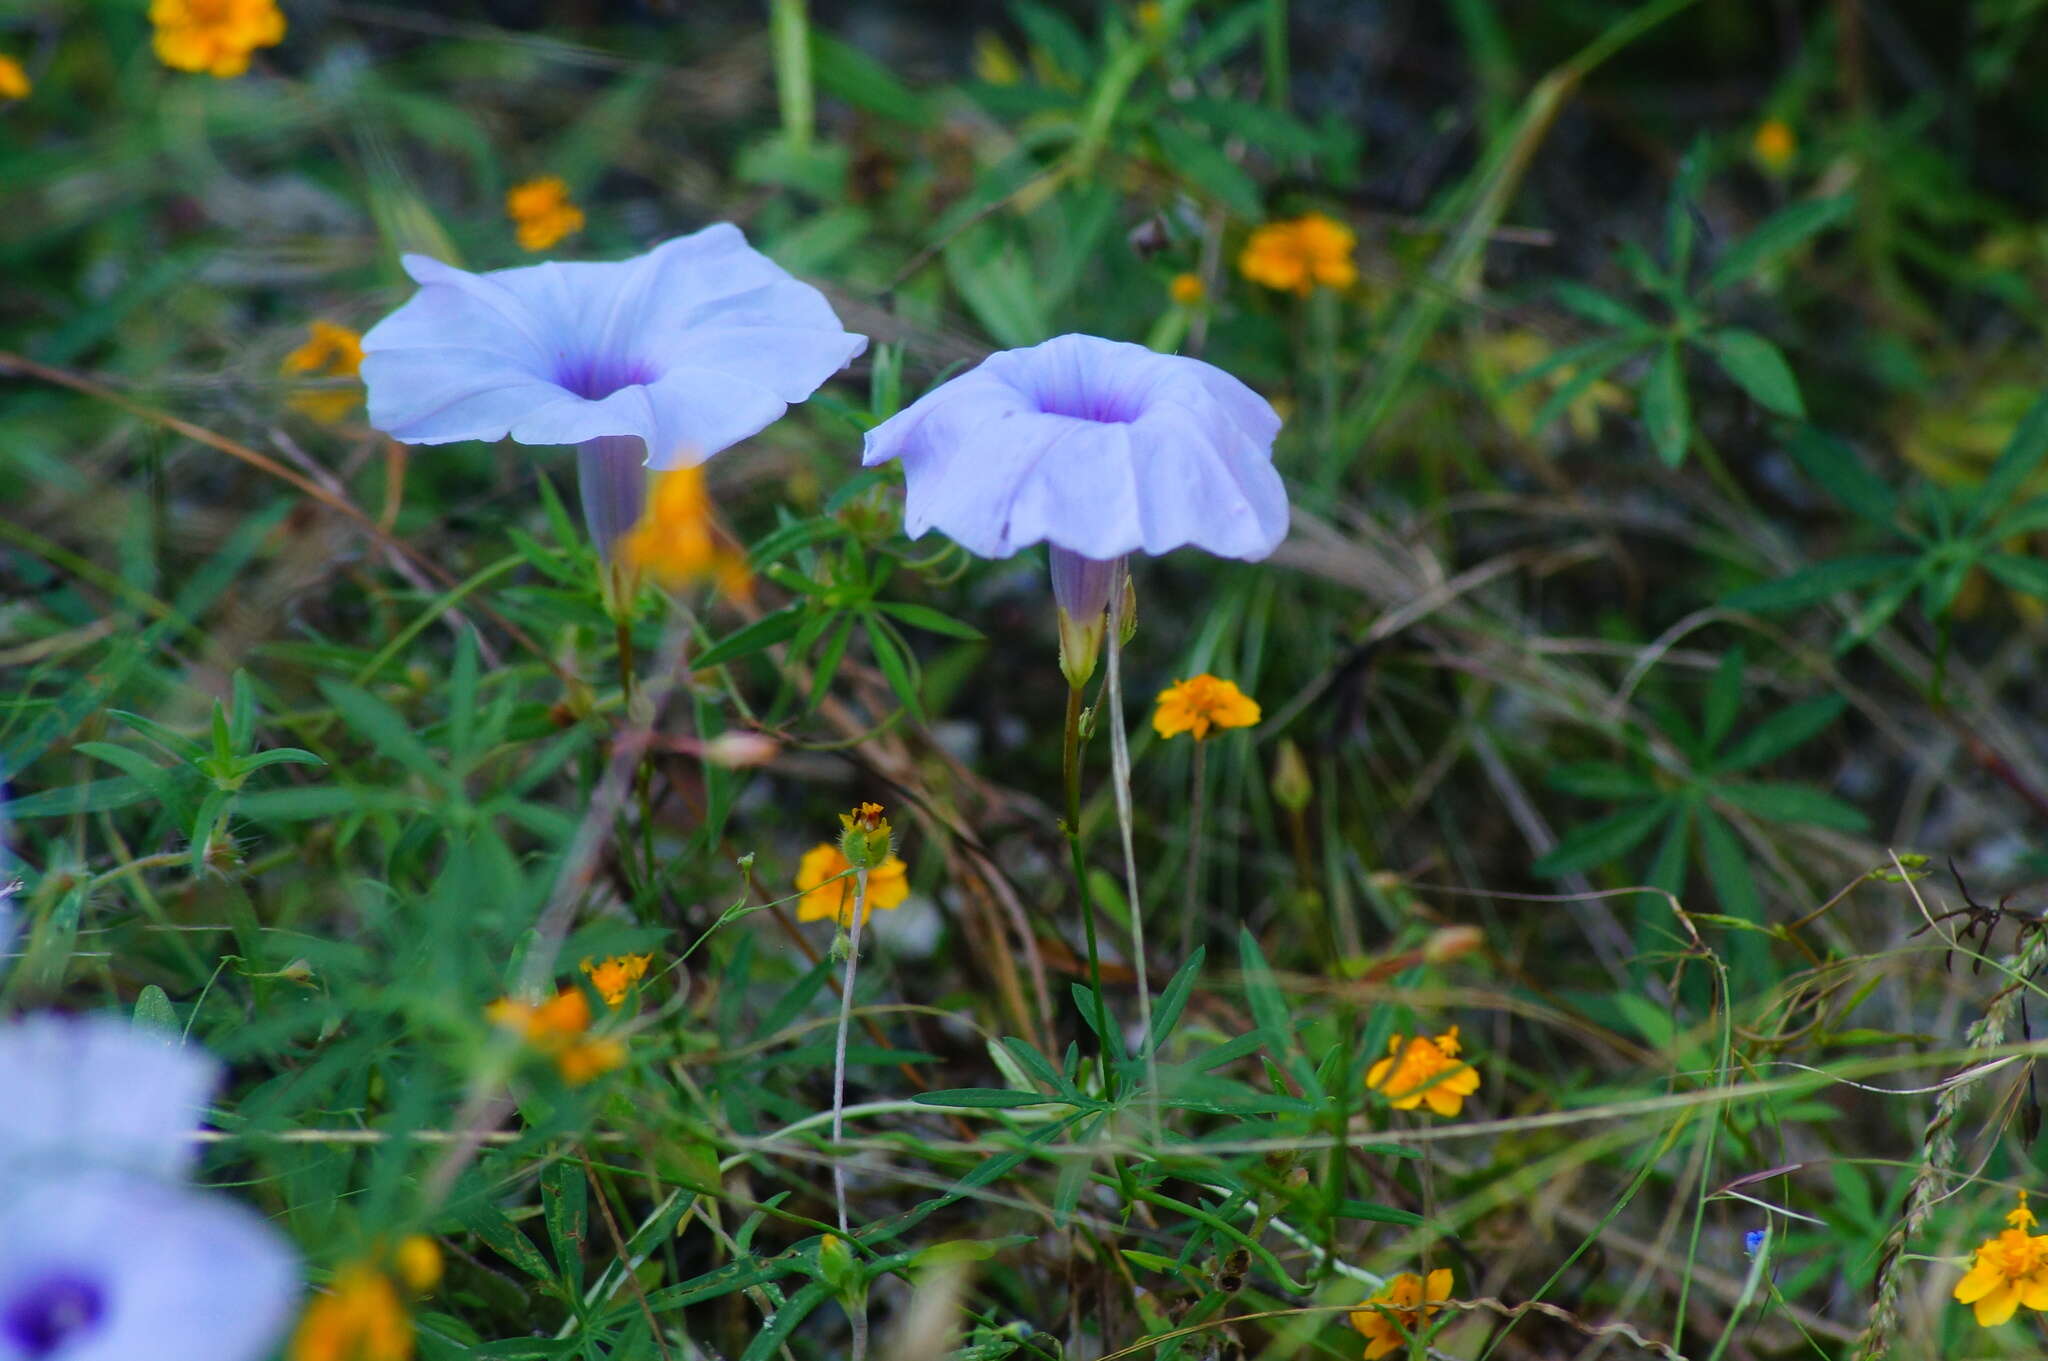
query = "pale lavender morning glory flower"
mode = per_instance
[
  {"x": 1098, "y": 448},
  {"x": 107, "y": 1267},
  {"x": 659, "y": 361},
  {"x": 96, "y": 1091},
  {"x": 104, "y": 1256}
]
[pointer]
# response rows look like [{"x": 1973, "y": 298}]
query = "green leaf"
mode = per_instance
[
  {"x": 153, "y": 1009},
  {"x": 2029, "y": 576},
  {"x": 780, "y": 543},
  {"x": 862, "y": 81},
  {"x": 758, "y": 636},
  {"x": 895, "y": 662},
  {"x": 2023, "y": 454},
  {"x": 1598, "y": 307},
  {"x": 1776, "y": 235},
  {"x": 1728, "y": 871},
  {"x": 1202, "y": 161},
  {"x": 1836, "y": 469},
  {"x": 984, "y": 1098},
  {"x": 1824, "y": 582},
  {"x": 1759, "y": 369},
  {"x": 1781, "y": 732},
  {"x": 935, "y": 621},
  {"x": 1724, "y": 700},
  {"x": 1664, "y": 406},
  {"x": 1601, "y": 780},
  {"x": 1792, "y": 803},
  {"x": 1374, "y": 1213},
  {"x": 1171, "y": 1002},
  {"x": 1596, "y": 843},
  {"x": 386, "y": 730},
  {"x": 95, "y": 796},
  {"x": 564, "y": 1199}
]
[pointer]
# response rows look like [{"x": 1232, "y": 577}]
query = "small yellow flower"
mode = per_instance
[
  {"x": 1423, "y": 1070},
  {"x": 214, "y": 36},
  {"x": 418, "y": 1262},
  {"x": 559, "y": 1029},
  {"x": 1774, "y": 145},
  {"x": 1201, "y": 703},
  {"x": 678, "y": 541},
  {"x": 1187, "y": 289},
  {"x": 1296, "y": 255},
  {"x": 14, "y": 83},
  {"x": 1400, "y": 1310},
  {"x": 2008, "y": 1269},
  {"x": 826, "y": 894},
  {"x": 543, "y": 212},
  {"x": 612, "y": 977},
  {"x": 359, "y": 1317},
  {"x": 330, "y": 351}
]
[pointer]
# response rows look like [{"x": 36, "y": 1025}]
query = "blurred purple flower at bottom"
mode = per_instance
[
  {"x": 1098, "y": 448},
  {"x": 99, "y": 1092},
  {"x": 658, "y": 361},
  {"x": 121, "y": 1268}
]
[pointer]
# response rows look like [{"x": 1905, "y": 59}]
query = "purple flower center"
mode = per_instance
[
  {"x": 1084, "y": 402},
  {"x": 595, "y": 377},
  {"x": 53, "y": 1310}
]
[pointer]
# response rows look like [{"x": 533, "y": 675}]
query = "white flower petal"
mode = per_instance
[{"x": 96, "y": 1091}]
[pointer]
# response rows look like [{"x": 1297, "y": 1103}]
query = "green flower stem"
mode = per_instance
[
  {"x": 860, "y": 904},
  {"x": 1070, "y": 770}
]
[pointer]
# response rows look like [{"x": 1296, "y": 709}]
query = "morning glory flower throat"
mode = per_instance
[
  {"x": 659, "y": 361},
  {"x": 1097, "y": 448},
  {"x": 105, "y": 1255}
]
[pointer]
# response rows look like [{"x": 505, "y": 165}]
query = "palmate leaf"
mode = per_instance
[
  {"x": 2029, "y": 576},
  {"x": 1780, "y": 733},
  {"x": 1779, "y": 233},
  {"x": 1601, "y": 780},
  {"x": 1595, "y": 843},
  {"x": 1727, "y": 866}
]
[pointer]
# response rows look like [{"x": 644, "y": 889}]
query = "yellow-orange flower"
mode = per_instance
[
  {"x": 1399, "y": 1311},
  {"x": 1774, "y": 145},
  {"x": 826, "y": 894},
  {"x": 678, "y": 541},
  {"x": 214, "y": 36},
  {"x": 543, "y": 212},
  {"x": 2008, "y": 1270},
  {"x": 1187, "y": 289},
  {"x": 362, "y": 1316},
  {"x": 614, "y": 976},
  {"x": 1200, "y": 703},
  {"x": 1424, "y": 1070},
  {"x": 14, "y": 83},
  {"x": 330, "y": 351},
  {"x": 1296, "y": 255},
  {"x": 559, "y": 1028}
]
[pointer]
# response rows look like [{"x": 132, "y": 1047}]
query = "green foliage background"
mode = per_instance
[{"x": 1664, "y": 604}]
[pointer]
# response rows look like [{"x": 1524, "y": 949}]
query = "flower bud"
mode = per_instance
[
  {"x": 1291, "y": 785},
  {"x": 865, "y": 838}
]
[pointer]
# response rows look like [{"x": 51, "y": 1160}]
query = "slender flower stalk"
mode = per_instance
[
  {"x": 860, "y": 895},
  {"x": 1070, "y": 770},
  {"x": 1198, "y": 797},
  {"x": 1120, "y": 783}
]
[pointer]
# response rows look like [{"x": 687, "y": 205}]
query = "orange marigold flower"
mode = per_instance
[
  {"x": 612, "y": 977},
  {"x": 214, "y": 36},
  {"x": 558, "y": 1028},
  {"x": 543, "y": 212},
  {"x": 359, "y": 1317},
  {"x": 1187, "y": 289},
  {"x": 14, "y": 83},
  {"x": 1424, "y": 1070},
  {"x": 1774, "y": 145},
  {"x": 678, "y": 541},
  {"x": 2008, "y": 1269},
  {"x": 1201, "y": 703},
  {"x": 330, "y": 351},
  {"x": 1399, "y": 1311},
  {"x": 827, "y": 894},
  {"x": 1297, "y": 255}
]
